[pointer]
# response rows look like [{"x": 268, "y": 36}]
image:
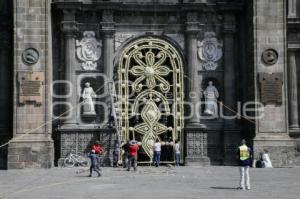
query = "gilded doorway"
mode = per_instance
[{"x": 150, "y": 95}]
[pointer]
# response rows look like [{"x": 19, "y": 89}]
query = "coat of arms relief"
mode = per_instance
[
  {"x": 88, "y": 50},
  {"x": 210, "y": 51}
]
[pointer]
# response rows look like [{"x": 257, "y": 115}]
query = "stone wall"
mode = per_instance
[
  {"x": 270, "y": 33},
  {"x": 32, "y": 145}
]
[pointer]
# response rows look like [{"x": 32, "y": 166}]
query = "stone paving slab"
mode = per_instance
[{"x": 149, "y": 183}]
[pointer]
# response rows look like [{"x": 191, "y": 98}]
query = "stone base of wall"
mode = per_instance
[
  {"x": 80, "y": 140},
  {"x": 296, "y": 136},
  {"x": 30, "y": 154},
  {"x": 196, "y": 147},
  {"x": 197, "y": 161},
  {"x": 280, "y": 147}
]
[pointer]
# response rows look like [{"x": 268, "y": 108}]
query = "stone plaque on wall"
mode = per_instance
[
  {"x": 30, "y": 87},
  {"x": 271, "y": 88}
]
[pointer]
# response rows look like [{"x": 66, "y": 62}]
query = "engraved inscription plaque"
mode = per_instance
[
  {"x": 271, "y": 88},
  {"x": 30, "y": 87}
]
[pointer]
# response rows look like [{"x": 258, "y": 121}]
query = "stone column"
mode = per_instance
[
  {"x": 69, "y": 29},
  {"x": 293, "y": 96},
  {"x": 108, "y": 53},
  {"x": 231, "y": 133},
  {"x": 292, "y": 4},
  {"x": 193, "y": 77},
  {"x": 195, "y": 133},
  {"x": 108, "y": 33}
]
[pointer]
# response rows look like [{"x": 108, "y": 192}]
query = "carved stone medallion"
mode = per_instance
[
  {"x": 30, "y": 56},
  {"x": 210, "y": 51},
  {"x": 88, "y": 50},
  {"x": 269, "y": 56}
]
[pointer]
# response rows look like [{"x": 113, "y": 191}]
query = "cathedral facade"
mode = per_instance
[{"x": 205, "y": 73}]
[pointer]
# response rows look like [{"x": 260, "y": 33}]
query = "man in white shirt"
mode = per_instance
[{"x": 157, "y": 152}]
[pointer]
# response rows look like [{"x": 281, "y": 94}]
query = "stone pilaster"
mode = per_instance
[
  {"x": 193, "y": 77},
  {"x": 231, "y": 133},
  {"x": 31, "y": 145},
  {"x": 272, "y": 128},
  {"x": 194, "y": 131},
  {"x": 293, "y": 94},
  {"x": 69, "y": 30}
]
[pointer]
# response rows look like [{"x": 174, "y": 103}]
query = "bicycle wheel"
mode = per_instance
[{"x": 69, "y": 162}]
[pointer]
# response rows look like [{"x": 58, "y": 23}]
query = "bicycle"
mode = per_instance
[{"x": 76, "y": 160}]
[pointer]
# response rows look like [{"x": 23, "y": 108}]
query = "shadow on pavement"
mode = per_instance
[{"x": 232, "y": 188}]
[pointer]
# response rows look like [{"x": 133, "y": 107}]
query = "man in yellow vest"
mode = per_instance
[{"x": 244, "y": 155}]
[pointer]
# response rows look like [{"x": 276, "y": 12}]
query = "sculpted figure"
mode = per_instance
[
  {"x": 211, "y": 95},
  {"x": 88, "y": 104}
]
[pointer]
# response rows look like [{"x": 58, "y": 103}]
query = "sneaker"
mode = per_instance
[
  {"x": 90, "y": 175},
  {"x": 99, "y": 174},
  {"x": 248, "y": 188}
]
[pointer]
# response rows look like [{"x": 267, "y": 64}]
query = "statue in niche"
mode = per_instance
[
  {"x": 88, "y": 104},
  {"x": 211, "y": 95}
]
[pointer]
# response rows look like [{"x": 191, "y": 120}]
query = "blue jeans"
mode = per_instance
[
  {"x": 157, "y": 157},
  {"x": 177, "y": 159}
]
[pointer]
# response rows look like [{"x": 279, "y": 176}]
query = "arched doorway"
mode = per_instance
[{"x": 150, "y": 95}]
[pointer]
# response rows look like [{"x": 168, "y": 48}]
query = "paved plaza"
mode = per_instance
[{"x": 149, "y": 183}]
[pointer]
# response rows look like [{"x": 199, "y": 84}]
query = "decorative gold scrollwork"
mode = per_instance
[{"x": 152, "y": 97}]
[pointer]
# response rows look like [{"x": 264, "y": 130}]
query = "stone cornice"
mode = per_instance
[{"x": 149, "y": 7}]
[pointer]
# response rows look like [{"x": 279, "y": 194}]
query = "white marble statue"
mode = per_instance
[
  {"x": 88, "y": 104},
  {"x": 211, "y": 95}
]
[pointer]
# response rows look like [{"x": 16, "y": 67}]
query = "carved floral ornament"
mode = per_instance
[
  {"x": 88, "y": 50},
  {"x": 210, "y": 51}
]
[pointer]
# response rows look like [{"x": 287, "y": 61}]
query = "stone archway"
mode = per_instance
[{"x": 150, "y": 94}]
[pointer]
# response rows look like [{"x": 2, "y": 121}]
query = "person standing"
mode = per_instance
[
  {"x": 94, "y": 163},
  {"x": 244, "y": 155},
  {"x": 157, "y": 152},
  {"x": 177, "y": 153},
  {"x": 132, "y": 156},
  {"x": 125, "y": 148},
  {"x": 98, "y": 151}
]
